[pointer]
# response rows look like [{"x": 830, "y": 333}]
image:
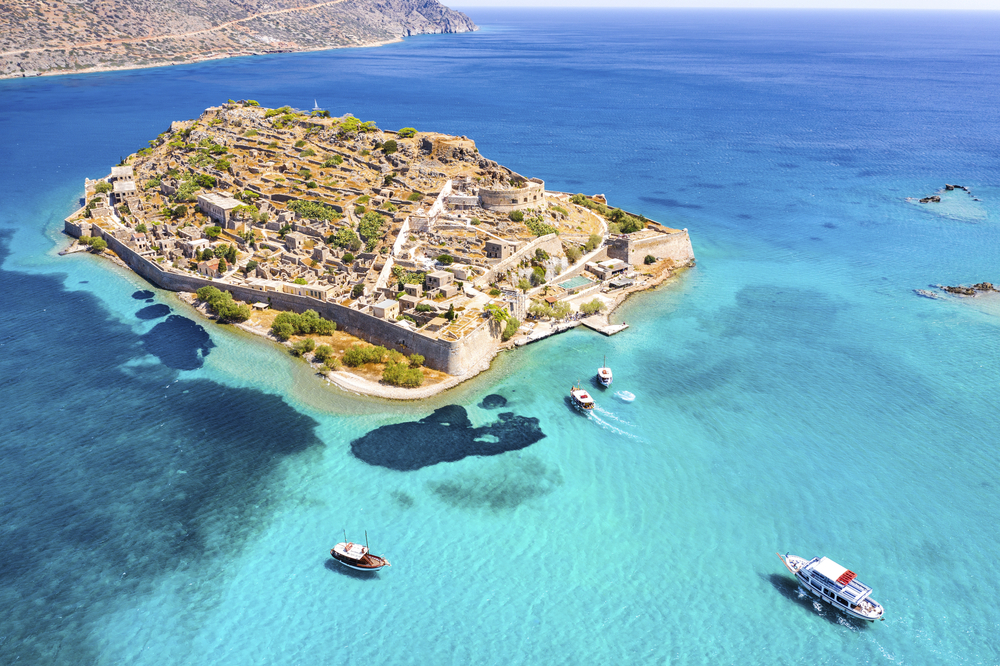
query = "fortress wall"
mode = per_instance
[
  {"x": 674, "y": 246},
  {"x": 453, "y": 357},
  {"x": 501, "y": 200}
]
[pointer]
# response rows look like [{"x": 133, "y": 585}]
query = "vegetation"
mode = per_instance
[
  {"x": 303, "y": 346},
  {"x": 370, "y": 229},
  {"x": 96, "y": 244},
  {"x": 502, "y": 315},
  {"x": 359, "y": 355},
  {"x": 649, "y": 259},
  {"x": 558, "y": 209},
  {"x": 416, "y": 360},
  {"x": 223, "y": 305},
  {"x": 345, "y": 238},
  {"x": 523, "y": 284},
  {"x": 415, "y": 196},
  {"x": 406, "y": 133},
  {"x": 348, "y": 258},
  {"x": 300, "y": 143},
  {"x": 213, "y": 231},
  {"x": 389, "y": 147},
  {"x": 537, "y": 276},
  {"x": 593, "y": 307},
  {"x": 250, "y": 267},
  {"x": 323, "y": 353},
  {"x": 573, "y": 253},
  {"x": 287, "y": 324},
  {"x": 351, "y": 125},
  {"x": 538, "y": 227},
  {"x": 593, "y": 243},
  {"x": 558, "y": 310},
  {"x": 222, "y": 265},
  {"x": 103, "y": 187},
  {"x": 516, "y": 216},
  {"x": 300, "y": 281},
  {"x": 423, "y": 307},
  {"x": 402, "y": 374},
  {"x": 445, "y": 259},
  {"x": 333, "y": 161},
  {"x": 314, "y": 210},
  {"x": 358, "y": 291}
]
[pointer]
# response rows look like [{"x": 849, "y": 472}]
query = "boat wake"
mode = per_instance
[
  {"x": 610, "y": 415},
  {"x": 607, "y": 425},
  {"x": 625, "y": 396}
]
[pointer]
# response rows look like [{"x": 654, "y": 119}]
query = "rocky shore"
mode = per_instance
[{"x": 63, "y": 37}]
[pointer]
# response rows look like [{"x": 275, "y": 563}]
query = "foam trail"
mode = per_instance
[
  {"x": 611, "y": 415},
  {"x": 607, "y": 426}
]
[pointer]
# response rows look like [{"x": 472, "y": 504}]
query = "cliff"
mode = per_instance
[{"x": 61, "y": 36}]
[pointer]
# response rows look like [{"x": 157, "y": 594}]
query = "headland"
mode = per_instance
[
  {"x": 405, "y": 255},
  {"x": 64, "y": 37}
]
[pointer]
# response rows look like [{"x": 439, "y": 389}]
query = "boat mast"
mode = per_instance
[{"x": 366, "y": 540}]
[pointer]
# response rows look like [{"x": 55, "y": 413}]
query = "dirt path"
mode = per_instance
[{"x": 205, "y": 31}]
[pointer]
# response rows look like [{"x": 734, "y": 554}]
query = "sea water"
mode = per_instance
[{"x": 170, "y": 488}]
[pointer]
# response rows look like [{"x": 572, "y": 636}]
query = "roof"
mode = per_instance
[
  {"x": 223, "y": 201},
  {"x": 354, "y": 551},
  {"x": 121, "y": 171},
  {"x": 124, "y": 186},
  {"x": 386, "y": 304},
  {"x": 439, "y": 274},
  {"x": 829, "y": 568}
]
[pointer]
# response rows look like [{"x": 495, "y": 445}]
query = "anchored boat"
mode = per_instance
[
  {"x": 355, "y": 556},
  {"x": 604, "y": 375},
  {"x": 835, "y": 585},
  {"x": 581, "y": 399}
]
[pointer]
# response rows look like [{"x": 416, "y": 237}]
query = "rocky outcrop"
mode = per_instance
[
  {"x": 63, "y": 36},
  {"x": 931, "y": 199},
  {"x": 962, "y": 290}
]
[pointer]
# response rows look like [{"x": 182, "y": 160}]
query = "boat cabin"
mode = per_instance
[{"x": 837, "y": 584}]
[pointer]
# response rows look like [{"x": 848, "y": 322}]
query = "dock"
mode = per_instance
[{"x": 601, "y": 325}]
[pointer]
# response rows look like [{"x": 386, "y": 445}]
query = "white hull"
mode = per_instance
[{"x": 868, "y": 610}]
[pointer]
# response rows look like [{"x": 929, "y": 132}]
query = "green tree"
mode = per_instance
[
  {"x": 445, "y": 259},
  {"x": 593, "y": 307},
  {"x": 323, "y": 353},
  {"x": 573, "y": 253},
  {"x": 389, "y": 147},
  {"x": 516, "y": 216},
  {"x": 416, "y": 360},
  {"x": 222, "y": 265},
  {"x": 649, "y": 259},
  {"x": 98, "y": 245},
  {"x": 213, "y": 231},
  {"x": 348, "y": 258},
  {"x": 303, "y": 346},
  {"x": 523, "y": 284},
  {"x": 250, "y": 267},
  {"x": 592, "y": 243},
  {"x": 103, "y": 187},
  {"x": 406, "y": 133},
  {"x": 414, "y": 196},
  {"x": 510, "y": 329}
]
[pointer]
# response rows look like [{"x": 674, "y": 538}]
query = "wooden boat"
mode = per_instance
[
  {"x": 835, "y": 585},
  {"x": 581, "y": 399},
  {"x": 355, "y": 556},
  {"x": 604, "y": 375}
]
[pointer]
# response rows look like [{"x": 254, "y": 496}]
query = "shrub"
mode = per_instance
[
  {"x": 511, "y": 328},
  {"x": 141, "y": 228},
  {"x": 415, "y": 196},
  {"x": 323, "y": 353},
  {"x": 516, "y": 216},
  {"x": 312, "y": 185},
  {"x": 251, "y": 132},
  {"x": 303, "y": 346},
  {"x": 287, "y": 324},
  {"x": 389, "y": 147},
  {"x": 357, "y": 291},
  {"x": 538, "y": 227},
  {"x": 250, "y": 267},
  {"x": 300, "y": 143},
  {"x": 593, "y": 307},
  {"x": 401, "y": 374},
  {"x": 387, "y": 179},
  {"x": 406, "y": 133},
  {"x": 537, "y": 275},
  {"x": 649, "y": 259},
  {"x": 222, "y": 303},
  {"x": 346, "y": 238},
  {"x": 213, "y": 231},
  {"x": 98, "y": 245},
  {"x": 103, "y": 187},
  {"x": 364, "y": 198},
  {"x": 423, "y": 307},
  {"x": 333, "y": 161},
  {"x": 541, "y": 255},
  {"x": 523, "y": 284},
  {"x": 573, "y": 253},
  {"x": 332, "y": 364},
  {"x": 494, "y": 292},
  {"x": 369, "y": 229},
  {"x": 152, "y": 182},
  {"x": 416, "y": 360},
  {"x": 446, "y": 259},
  {"x": 348, "y": 258},
  {"x": 592, "y": 243},
  {"x": 300, "y": 281},
  {"x": 222, "y": 165},
  {"x": 359, "y": 210},
  {"x": 359, "y": 355},
  {"x": 314, "y": 210}
]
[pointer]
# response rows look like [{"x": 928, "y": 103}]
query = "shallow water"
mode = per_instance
[{"x": 171, "y": 488}]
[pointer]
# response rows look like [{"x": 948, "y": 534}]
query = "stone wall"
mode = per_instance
[
  {"x": 675, "y": 246},
  {"x": 455, "y": 357},
  {"x": 550, "y": 243},
  {"x": 504, "y": 201}
]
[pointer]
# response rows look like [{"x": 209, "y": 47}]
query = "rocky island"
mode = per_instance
[
  {"x": 64, "y": 36},
  {"x": 390, "y": 260}
]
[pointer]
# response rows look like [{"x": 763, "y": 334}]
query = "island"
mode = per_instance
[
  {"x": 397, "y": 262},
  {"x": 68, "y": 36}
]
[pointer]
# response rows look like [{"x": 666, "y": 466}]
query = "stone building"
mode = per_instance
[
  {"x": 218, "y": 207},
  {"x": 438, "y": 279},
  {"x": 530, "y": 195},
  {"x": 387, "y": 309},
  {"x": 498, "y": 250}
]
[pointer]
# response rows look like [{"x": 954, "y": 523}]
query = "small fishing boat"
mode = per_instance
[
  {"x": 581, "y": 399},
  {"x": 835, "y": 585},
  {"x": 604, "y": 375},
  {"x": 355, "y": 556}
]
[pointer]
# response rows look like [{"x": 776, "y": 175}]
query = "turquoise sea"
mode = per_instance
[{"x": 170, "y": 489}]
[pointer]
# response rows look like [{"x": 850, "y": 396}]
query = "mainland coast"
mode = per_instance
[{"x": 398, "y": 263}]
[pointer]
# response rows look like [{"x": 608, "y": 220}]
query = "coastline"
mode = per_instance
[{"x": 191, "y": 61}]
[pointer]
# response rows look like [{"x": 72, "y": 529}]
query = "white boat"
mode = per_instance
[
  {"x": 604, "y": 375},
  {"x": 581, "y": 399},
  {"x": 835, "y": 585},
  {"x": 355, "y": 556}
]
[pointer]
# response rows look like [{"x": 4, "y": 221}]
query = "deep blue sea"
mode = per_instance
[{"x": 170, "y": 488}]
